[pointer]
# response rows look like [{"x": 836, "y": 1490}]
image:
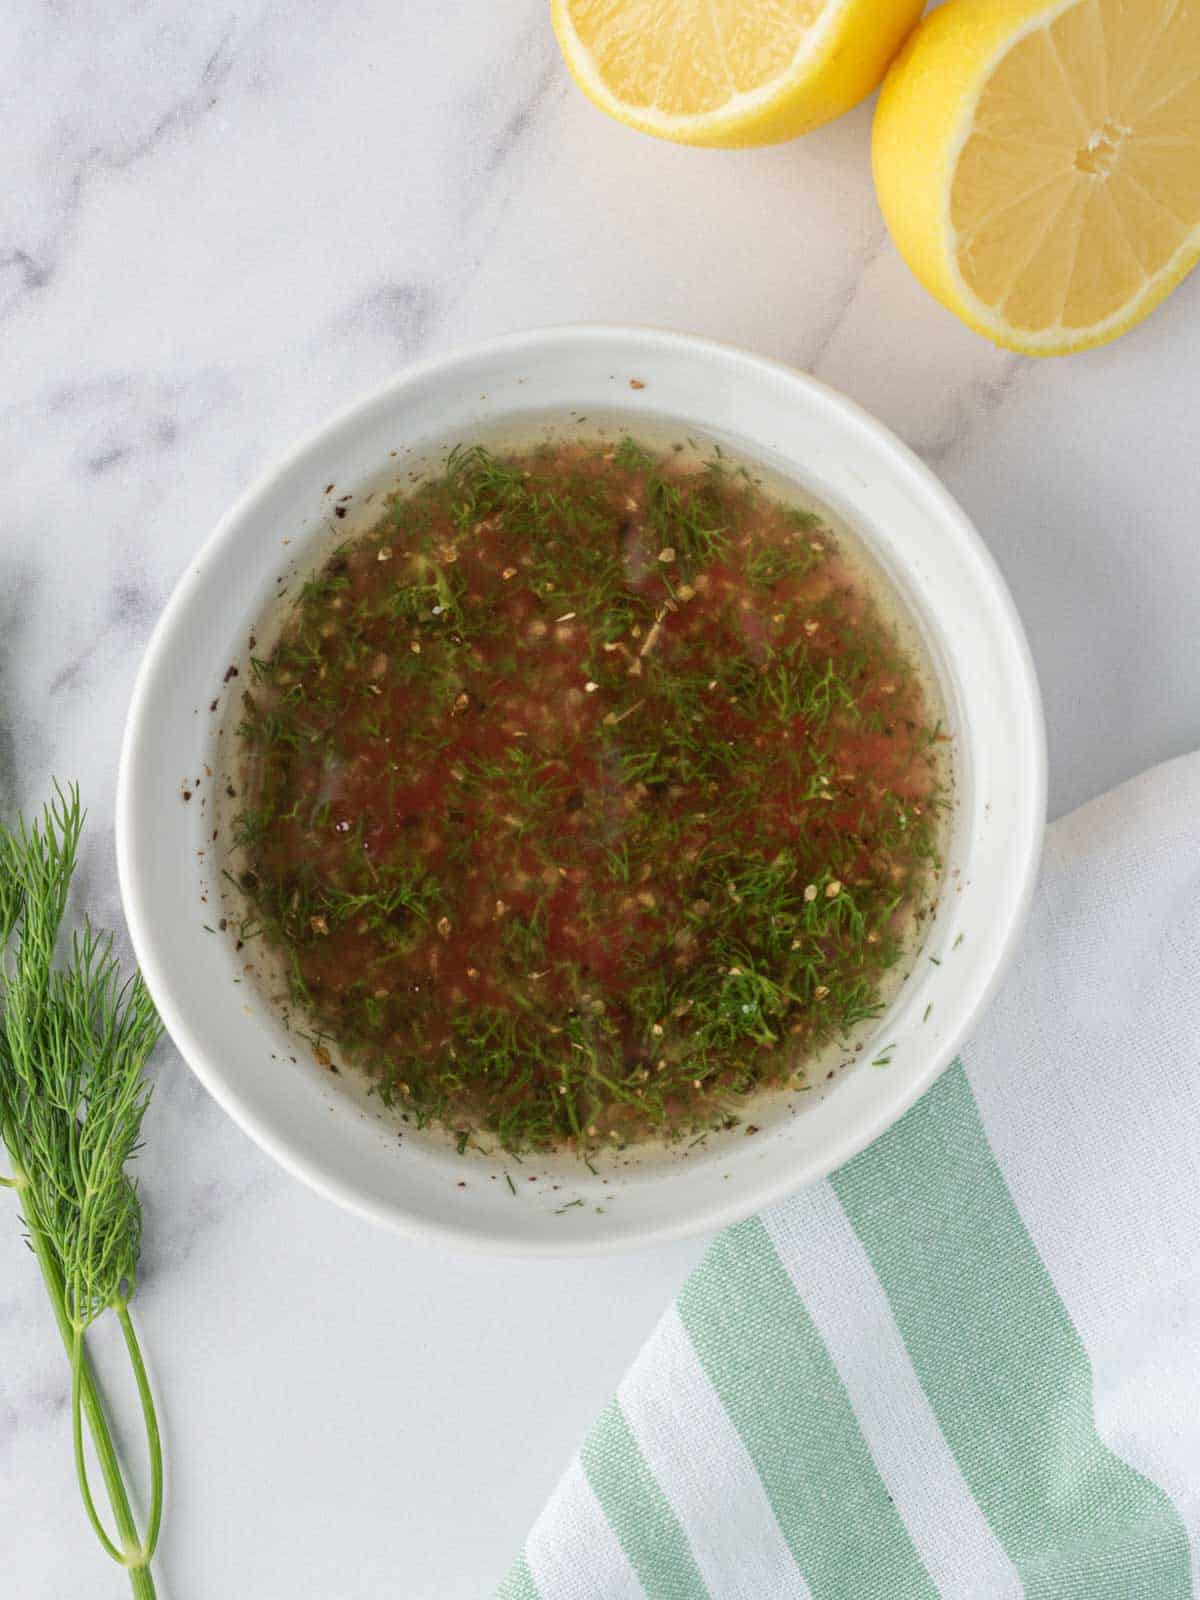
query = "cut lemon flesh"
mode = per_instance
[
  {"x": 1039, "y": 164},
  {"x": 729, "y": 72}
]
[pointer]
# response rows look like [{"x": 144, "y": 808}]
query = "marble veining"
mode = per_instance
[
  {"x": 76, "y": 156},
  {"x": 221, "y": 222},
  {"x": 978, "y": 400}
]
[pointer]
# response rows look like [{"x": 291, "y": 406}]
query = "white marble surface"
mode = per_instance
[{"x": 220, "y": 221}]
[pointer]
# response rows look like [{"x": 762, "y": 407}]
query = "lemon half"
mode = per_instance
[
  {"x": 729, "y": 72},
  {"x": 1039, "y": 164}
]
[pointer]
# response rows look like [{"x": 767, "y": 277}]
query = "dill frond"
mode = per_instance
[{"x": 74, "y": 1042}]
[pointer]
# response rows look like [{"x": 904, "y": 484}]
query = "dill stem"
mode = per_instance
[
  {"x": 81, "y": 1472},
  {"x": 153, "y": 1438},
  {"x": 92, "y": 1407}
]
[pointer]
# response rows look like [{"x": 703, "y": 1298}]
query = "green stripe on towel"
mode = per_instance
[
  {"x": 638, "y": 1512},
  {"x": 1004, "y": 1369},
  {"x": 519, "y": 1584},
  {"x": 781, "y": 1391}
]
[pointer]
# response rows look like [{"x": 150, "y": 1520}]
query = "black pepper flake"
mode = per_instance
[
  {"x": 339, "y": 511},
  {"x": 231, "y": 673}
]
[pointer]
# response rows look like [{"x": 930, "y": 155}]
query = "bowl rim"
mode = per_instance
[{"x": 745, "y": 1198}]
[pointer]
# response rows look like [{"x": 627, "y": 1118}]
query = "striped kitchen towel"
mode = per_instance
[{"x": 968, "y": 1364}]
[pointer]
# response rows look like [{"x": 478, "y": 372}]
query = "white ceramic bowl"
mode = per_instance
[{"x": 312, "y": 1122}]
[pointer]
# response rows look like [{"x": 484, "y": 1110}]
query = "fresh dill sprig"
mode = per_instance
[{"x": 74, "y": 1041}]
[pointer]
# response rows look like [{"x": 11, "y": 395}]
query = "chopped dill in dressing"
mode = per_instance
[{"x": 585, "y": 796}]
